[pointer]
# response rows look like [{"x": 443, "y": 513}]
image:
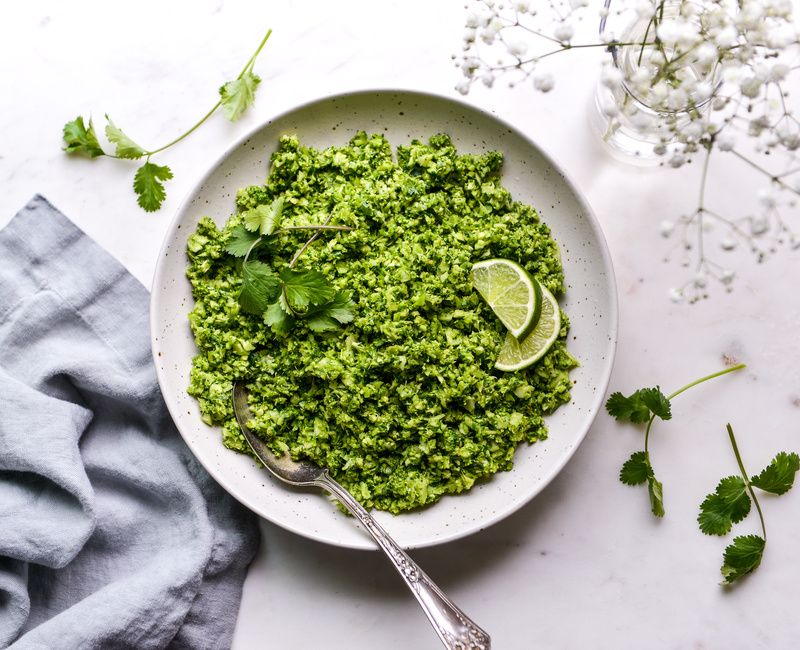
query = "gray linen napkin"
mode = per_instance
[{"x": 111, "y": 534}]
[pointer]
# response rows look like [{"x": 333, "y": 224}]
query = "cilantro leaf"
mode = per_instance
[
  {"x": 778, "y": 476},
  {"x": 636, "y": 470},
  {"x": 714, "y": 518},
  {"x": 331, "y": 315},
  {"x": 264, "y": 218},
  {"x": 237, "y": 95},
  {"x": 640, "y": 406},
  {"x": 727, "y": 505},
  {"x": 278, "y": 319},
  {"x": 627, "y": 409},
  {"x": 340, "y": 308},
  {"x": 742, "y": 557},
  {"x": 80, "y": 139},
  {"x": 147, "y": 183},
  {"x": 240, "y": 241},
  {"x": 305, "y": 288},
  {"x": 322, "y": 323},
  {"x": 260, "y": 287},
  {"x": 656, "y": 401},
  {"x": 733, "y": 493},
  {"x": 126, "y": 148},
  {"x": 656, "y": 492}
]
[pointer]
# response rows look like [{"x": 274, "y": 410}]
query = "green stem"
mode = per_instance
[
  {"x": 309, "y": 242},
  {"x": 647, "y": 436},
  {"x": 189, "y": 132},
  {"x": 250, "y": 63},
  {"x": 567, "y": 47},
  {"x": 746, "y": 478},
  {"x": 316, "y": 227},
  {"x": 706, "y": 378},
  {"x": 252, "y": 59},
  {"x": 644, "y": 40},
  {"x": 251, "y": 249},
  {"x": 683, "y": 389}
]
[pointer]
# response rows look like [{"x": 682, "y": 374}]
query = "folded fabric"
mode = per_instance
[{"x": 111, "y": 534}]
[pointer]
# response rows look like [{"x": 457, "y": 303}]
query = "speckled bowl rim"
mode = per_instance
[{"x": 600, "y": 388}]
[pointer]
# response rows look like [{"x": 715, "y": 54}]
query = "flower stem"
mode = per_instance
[{"x": 746, "y": 478}]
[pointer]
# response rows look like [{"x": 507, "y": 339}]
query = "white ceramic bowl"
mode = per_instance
[{"x": 531, "y": 176}]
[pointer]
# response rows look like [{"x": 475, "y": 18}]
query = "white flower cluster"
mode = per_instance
[{"x": 696, "y": 76}]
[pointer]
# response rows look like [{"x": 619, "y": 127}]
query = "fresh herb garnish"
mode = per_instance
[
  {"x": 730, "y": 503},
  {"x": 148, "y": 183},
  {"x": 645, "y": 405},
  {"x": 288, "y": 295}
]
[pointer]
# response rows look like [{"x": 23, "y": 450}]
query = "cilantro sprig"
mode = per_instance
[
  {"x": 282, "y": 298},
  {"x": 730, "y": 503},
  {"x": 235, "y": 97},
  {"x": 645, "y": 405}
]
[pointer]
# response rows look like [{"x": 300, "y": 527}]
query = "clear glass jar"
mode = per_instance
[{"x": 637, "y": 128}]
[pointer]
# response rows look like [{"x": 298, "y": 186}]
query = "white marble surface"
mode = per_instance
[{"x": 584, "y": 565}]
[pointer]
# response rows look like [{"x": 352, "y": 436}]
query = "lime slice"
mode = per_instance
[
  {"x": 516, "y": 355},
  {"x": 514, "y": 296}
]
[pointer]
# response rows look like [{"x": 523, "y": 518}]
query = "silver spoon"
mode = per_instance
[{"x": 455, "y": 629}]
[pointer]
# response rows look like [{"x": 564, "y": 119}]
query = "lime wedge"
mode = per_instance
[
  {"x": 516, "y": 355},
  {"x": 514, "y": 296}
]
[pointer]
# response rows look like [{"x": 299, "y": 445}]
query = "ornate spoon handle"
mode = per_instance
[{"x": 456, "y": 630}]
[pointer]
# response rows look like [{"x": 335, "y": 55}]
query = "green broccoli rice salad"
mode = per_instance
[{"x": 340, "y": 291}]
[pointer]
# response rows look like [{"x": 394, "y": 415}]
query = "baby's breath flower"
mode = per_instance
[
  {"x": 469, "y": 65},
  {"x": 759, "y": 225},
  {"x": 609, "y": 108},
  {"x": 564, "y": 32},
  {"x": 700, "y": 280},
  {"x": 750, "y": 87},
  {"x": 677, "y": 160},
  {"x": 692, "y": 131},
  {"x": 543, "y": 82},
  {"x": 677, "y": 99},
  {"x": 611, "y": 76},
  {"x": 702, "y": 91},
  {"x": 517, "y": 48},
  {"x": 726, "y": 37},
  {"x": 706, "y": 53},
  {"x": 726, "y": 142},
  {"x": 645, "y": 8},
  {"x": 779, "y": 72},
  {"x": 719, "y": 103}
]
